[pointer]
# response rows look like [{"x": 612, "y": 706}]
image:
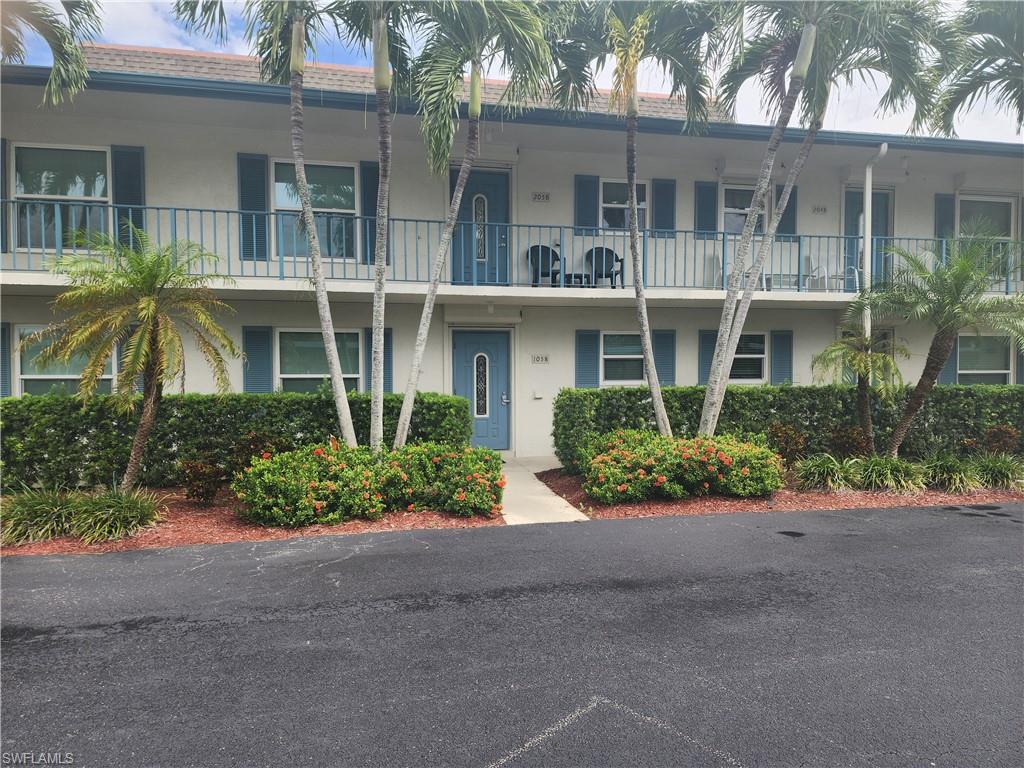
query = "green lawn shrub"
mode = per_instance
[
  {"x": 36, "y": 515},
  {"x": 39, "y": 514},
  {"x": 885, "y": 473},
  {"x": 57, "y": 441},
  {"x": 999, "y": 470},
  {"x": 950, "y": 473},
  {"x": 635, "y": 465},
  {"x": 825, "y": 472},
  {"x": 330, "y": 484}
]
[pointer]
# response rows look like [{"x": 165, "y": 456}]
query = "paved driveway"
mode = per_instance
[{"x": 863, "y": 638}]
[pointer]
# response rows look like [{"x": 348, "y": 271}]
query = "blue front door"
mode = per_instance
[
  {"x": 881, "y": 232},
  {"x": 480, "y": 242},
  {"x": 482, "y": 376}
]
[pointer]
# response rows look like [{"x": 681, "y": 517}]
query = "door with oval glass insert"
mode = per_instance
[
  {"x": 479, "y": 254},
  {"x": 482, "y": 375}
]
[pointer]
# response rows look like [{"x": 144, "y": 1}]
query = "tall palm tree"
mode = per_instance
[
  {"x": 136, "y": 300},
  {"x": 871, "y": 360},
  {"x": 63, "y": 33},
  {"x": 987, "y": 63},
  {"x": 800, "y": 51},
  {"x": 281, "y": 34},
  {"x": 952, "y": 295},
  {"x": 382, "y": 27},
  {"x": 458, "y": 36}
]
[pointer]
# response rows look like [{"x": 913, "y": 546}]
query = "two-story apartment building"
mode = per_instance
[{"x": 537, "y": 294}]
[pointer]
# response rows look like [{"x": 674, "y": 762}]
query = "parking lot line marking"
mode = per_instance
[{"x": 548, "y": 732}]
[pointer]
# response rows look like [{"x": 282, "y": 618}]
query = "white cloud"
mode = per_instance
[{"x": 151, "y": 23}]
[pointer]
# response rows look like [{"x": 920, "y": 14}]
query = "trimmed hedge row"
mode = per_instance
[
  {"x": 56, "y": 441},
  {"x": 952, "y": 416}
]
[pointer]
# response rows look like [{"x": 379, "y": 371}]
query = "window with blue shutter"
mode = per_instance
[
  {"x": 388, "y": 360},
  {"x": 5, "y": 359},
  {"x": 586, "y": 204},
  {"x": 705, "y": 210},
  {"x": 254, "y": 200},
  {"x": 664, "y": 343},
  {"x": 786, "y": 231},
  {"x": 369, "y": 184},
  {"x": 663, "y": 207},
  {"x": 782, "y": 357},
  {"x": 128, "y": 187},
  {"x": 948, "y": 373},
  {"x": 945, "y": 220},
  {"x": 705, "y": 352},
  {"x": 258, "y": 368},
  {"x": 588, "y": 359},
  {"x": 4, "y": 194}
]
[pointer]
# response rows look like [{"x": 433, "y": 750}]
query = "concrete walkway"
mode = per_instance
[{"x": 528, "y": 500}]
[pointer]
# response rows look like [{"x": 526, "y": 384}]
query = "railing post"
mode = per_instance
[
  {"x": 799, "y": 263},
  {"x": 58, "y": 230},
  {"x": 725, "y": 261},
  {"x": 561, "y": 257},
  {"x": 645, "y": 258}
]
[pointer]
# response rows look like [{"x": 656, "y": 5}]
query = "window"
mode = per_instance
[
  {"x": 748, "y": 365},
  {"x": 989, "y": 216},
  {"x": 615, "y": 204},
  {"x": 480, "y": 225},
  {"x": 736, "y": 203},
  {"x": 302, "y": 364},
  {"x": 481, "y": 385},
  {"x": 332, "y": 191},
  {"x": 37, "y": 379},
  {"x": 983, "y": 360},
  {"x": 62, "y": 195},
  {"x": 622, "y": 359}
]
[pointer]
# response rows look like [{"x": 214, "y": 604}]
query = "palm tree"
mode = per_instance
[
  {"x": 470, "y": 34},
  {"x": 282, "y": 33},
  {"x": 987, "y": 63},
  {"x": 818, "y": 45},
  {"x": 382, "y": 27},
  {"x": 135, "y": 300},
  {"x": 63, "y": 33},
  {"x": 871, "y": 360},
  {"x": 951, "y": 295}
]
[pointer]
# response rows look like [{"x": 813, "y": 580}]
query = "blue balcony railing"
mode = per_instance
[{"x": 273, "y": 245}]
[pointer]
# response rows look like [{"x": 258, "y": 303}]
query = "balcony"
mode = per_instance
[{"x": 545, "y": 257}]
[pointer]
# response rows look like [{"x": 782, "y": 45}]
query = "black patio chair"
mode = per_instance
[
  {"x": 604, "y": 264},
  {"x": 544, "y": 262}
]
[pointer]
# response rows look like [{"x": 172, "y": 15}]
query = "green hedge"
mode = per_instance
[
  {"x": 55, "y": 441},
  {"x": 952, "y": 414}
]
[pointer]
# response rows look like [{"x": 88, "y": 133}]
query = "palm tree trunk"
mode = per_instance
[
  {"x": 382, "y": 77},
  {"x": 938, "y": 353},
  {"x": 437, "y": 268},
  {"x": 660, "y": 416},
  {"x": 152, "y": 392},
  {"x": 864, "y": 410},
  {"x": 323, "y": 305},
  {"x": 721, "y": 362}
]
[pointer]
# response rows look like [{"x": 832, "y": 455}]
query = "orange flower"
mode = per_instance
[
  {"x": 661, "y": 479},
  {"x": 727, "y": 461},
  {"x": 623, "y": 487},
  {"x": 642, "y": 473},
  {"x": 712, "y": 468},
  {"x": 721, "y": 477},
  {"x": 501, "y": 483},
  {"x": 600, "y": 478},
  {"x": 744, "y": 471},
  {"x": 266, "y": 455},
  {"x": 318, "y": 451},
  {"x": 706, "y": 486}
]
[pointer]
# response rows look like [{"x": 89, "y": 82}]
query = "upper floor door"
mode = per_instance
[
  {"x": 479, "y": 254},
  {"x": 881, "y": 232}
]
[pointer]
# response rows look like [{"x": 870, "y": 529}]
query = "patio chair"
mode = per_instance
[
  {"x": 604, "y": 264},
  {"x": 544, "y": 262}
]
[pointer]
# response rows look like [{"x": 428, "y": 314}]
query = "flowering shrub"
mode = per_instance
[
  {"x": 331, "y": 483},
  {"x": 634, "y": 465}
]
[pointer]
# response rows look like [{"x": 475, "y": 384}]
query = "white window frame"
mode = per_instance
[
  {"x": 644, "y": 206},
  {"x": 274, "y": 209},
  {"x": 19, "y": 376},
  {"x": 1008, "y": 371},
  {"x": 12, "y": 183},
  {"x": 616, "y": 382},
  {"x": 487, "y": 394},
  {"x": 989, "y": 198},
  {"x": 742, "y": 186},
  {"x": 280, "y": 377},
  {"x": 763, "y": 358}
]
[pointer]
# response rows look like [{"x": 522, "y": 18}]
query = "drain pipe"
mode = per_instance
[{"x": 883, "y": 149}]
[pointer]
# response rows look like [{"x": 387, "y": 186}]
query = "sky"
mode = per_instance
[{"x": 853, "y": 107}]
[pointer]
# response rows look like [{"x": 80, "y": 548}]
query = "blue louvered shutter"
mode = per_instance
[
  {"x": 586, "y": 204},
  {"x": 388, "y": 360},
  {"x": 588, "y": 359},
  {"x": 782, "y": 357},
  {"x": 258, "y": 346},
  {"x": 945, "y": 220},
  {"x": 128, "y": 188},
  {"x": 705, "y": 210},
  {"x": 664, "y": 343},
  {"x": 948, "y": 373},
  {"x": 5, "y": 359},
  {"x": 3, "y": 195},
  {"x": 786, "y": 230},
  {"x": 663, "y": 207},
  {"x": 254, "y": 199},
  {"x": 705, "y": 352},
  {"x": 369, "y": 183}
]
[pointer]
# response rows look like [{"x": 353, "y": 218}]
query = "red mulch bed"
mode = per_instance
[
  {"x": 185, "y": 522},
  {"x": 786, "y": 500}
]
